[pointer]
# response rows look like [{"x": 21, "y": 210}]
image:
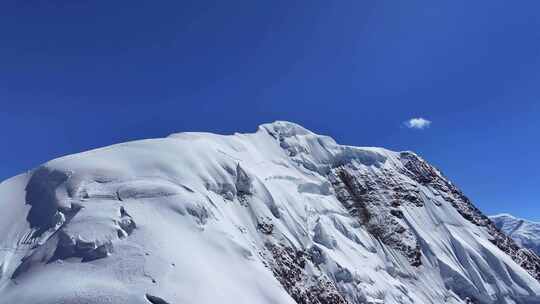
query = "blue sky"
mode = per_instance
[{"x": 77, "y": 75}]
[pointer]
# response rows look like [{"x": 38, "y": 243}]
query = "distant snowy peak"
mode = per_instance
[
  {"x": 282, "y": 215},
  {"x": 525, "y": 233}
]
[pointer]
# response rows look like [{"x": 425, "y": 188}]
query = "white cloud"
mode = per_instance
[{"x": 418, "y": 123}]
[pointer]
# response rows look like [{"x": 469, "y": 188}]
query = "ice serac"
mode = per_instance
[
  {"x": 281, "y": 215},
  {"x": 526, "y": 233}
]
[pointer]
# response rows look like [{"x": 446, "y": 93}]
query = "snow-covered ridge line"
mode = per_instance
[
  {"x": 526, "y": 233},
  {"x": 282, "y": 215}
]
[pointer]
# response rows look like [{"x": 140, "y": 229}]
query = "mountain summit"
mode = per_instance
[{"x": 282, "y": 215}]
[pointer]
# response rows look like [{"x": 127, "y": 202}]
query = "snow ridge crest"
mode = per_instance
[{"x": 282, "y": 215}]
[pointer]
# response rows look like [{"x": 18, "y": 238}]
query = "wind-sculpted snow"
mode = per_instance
[{"x": 282, "y": 215}]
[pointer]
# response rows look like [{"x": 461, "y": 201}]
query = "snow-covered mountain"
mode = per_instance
[
  {"x": 525, "y": 233},
  {"x": 282, "y": 215}
]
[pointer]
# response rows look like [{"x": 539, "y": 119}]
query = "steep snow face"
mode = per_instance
[
  {"x": 525, "y": 233},
  {"x": 282, "y": 215}
]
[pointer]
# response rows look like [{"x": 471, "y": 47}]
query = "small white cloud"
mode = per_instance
[{"x": 418, "y": 123}]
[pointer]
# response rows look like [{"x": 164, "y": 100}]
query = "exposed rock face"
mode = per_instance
[
  {"x": 374, "y": 198},
  {"x": 301, "y": 278},
  {"x": 279, "y": 216}
]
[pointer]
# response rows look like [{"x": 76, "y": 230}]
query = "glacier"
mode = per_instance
[{"x": 282, "y": 215}]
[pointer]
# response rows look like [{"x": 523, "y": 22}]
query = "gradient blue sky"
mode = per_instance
[{"x": 76, "y": 75}]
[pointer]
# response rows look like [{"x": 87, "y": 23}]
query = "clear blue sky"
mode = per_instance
[{"x": 76, "y": 75}]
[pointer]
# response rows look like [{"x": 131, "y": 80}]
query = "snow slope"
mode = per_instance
[
  {"x": 525, "y": 233},
  {"x": 282, "y": 215}
]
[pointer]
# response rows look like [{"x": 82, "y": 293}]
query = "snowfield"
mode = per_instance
[
  {"x": 525, "y": 233},
  {"x": 282, "y": 215}
]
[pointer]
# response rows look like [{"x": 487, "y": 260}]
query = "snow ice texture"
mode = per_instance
[
  {"x": 525, "y": 233},
  {"x": 282, "y": 215}
]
